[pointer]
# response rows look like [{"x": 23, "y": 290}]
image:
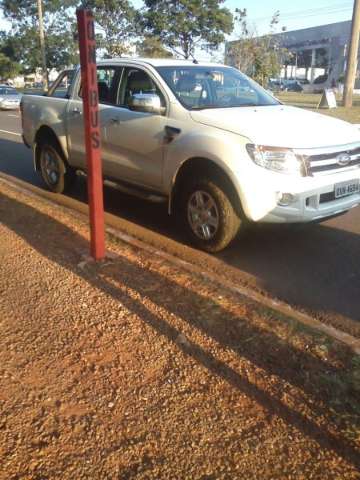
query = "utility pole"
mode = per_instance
[
  {"x": 352, "y": 57},
  {"x": 42, "y": 45}
]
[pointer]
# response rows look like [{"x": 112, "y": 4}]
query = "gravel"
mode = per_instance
[{"x": 133, "y": 369}]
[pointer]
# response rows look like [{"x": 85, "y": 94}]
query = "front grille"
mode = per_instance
[
  {"x": 327, "y": 197},
  {"x": 326, "y": 161}
]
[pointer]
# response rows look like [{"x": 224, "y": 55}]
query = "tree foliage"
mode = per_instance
[
  {"x": 151, "y": 47},
  {"x": 23, "y": 39},
  {"x": 261, "y": 57},
  {"x": 8, "y": 68},
  {"x": 183, "y": 25},
  {"x": 117, "y": 22}
]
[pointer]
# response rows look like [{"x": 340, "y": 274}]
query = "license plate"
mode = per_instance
[{"x": 346, "y": 188}]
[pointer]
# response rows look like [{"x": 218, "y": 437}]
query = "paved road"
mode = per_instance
[{"x": 315, "y": 268}]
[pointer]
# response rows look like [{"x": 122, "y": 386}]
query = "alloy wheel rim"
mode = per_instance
[
  {"x": 203, "y": 215},
  {"x": 51, "y": 167}
]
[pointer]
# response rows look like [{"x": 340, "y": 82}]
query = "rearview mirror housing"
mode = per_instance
[{"x": 146, "y": 102}]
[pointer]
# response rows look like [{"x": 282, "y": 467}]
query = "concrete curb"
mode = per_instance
[{"x": 278, "y": 306}]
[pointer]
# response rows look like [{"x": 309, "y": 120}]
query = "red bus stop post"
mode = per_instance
[{"x": 87, "y": 46}]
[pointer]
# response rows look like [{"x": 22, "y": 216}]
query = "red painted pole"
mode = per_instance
[{"x": 85, "y": 21}]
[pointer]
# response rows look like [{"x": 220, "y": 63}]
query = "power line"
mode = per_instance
[{"x": 330, "y": 9}]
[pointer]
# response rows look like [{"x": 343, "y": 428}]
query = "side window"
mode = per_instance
[
  {"x": 105, "y": 81},
  {"x": 62, "y": 84},
  {"x": 108, "y": 80},
  {"x": 137, "y": 81}
]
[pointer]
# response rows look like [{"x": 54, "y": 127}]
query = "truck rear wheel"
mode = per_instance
[
  {"x": 209, "y": 215},
  {"x": 58, "y": 176}
]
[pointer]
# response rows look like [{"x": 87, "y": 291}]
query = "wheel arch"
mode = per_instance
[
  {"x": 203, "y": 166},
  {"x": 46, "y": 134}
]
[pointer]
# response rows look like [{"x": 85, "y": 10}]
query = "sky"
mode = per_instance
[{"x": 293, "y": 14}]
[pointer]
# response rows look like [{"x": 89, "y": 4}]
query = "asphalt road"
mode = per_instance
[{"x": 315, "y": 268}]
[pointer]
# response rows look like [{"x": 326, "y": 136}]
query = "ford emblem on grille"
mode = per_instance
[{"x": 343, "y": 159}]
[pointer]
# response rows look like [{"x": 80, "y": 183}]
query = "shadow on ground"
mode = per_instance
[{"x": 60, "y": 244}]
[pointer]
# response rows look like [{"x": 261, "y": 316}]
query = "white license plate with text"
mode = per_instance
[{"x": 346, "y": 188}]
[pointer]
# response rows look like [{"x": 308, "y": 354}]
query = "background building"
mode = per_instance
[{"x": 316, "y": 51}]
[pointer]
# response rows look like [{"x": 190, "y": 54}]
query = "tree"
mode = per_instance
[
  {"x": 116, "y": 19},
  {"x": 151, "y": 47},
  {"x": 258, "y": 56},
  {"x": 23, "y": 40},
  {"x": 183, "y": 25},
  {"x": 8, "y": 68}
]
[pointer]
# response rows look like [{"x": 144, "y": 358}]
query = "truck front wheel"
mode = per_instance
[
  {"x": 209, "y": 215},
  {"x": 57, "y": 176}
]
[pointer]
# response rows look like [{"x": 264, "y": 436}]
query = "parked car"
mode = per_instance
[
  {"x": 319, "y": 84},
  {"x": 276, "y": 85},
  {"x": 9, "y": 98},
  {"x": 303, "y": 81},
  {"x": 292, "y": 86},
  {"x": 220, "y": 156}
]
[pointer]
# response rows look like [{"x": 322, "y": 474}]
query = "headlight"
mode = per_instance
[{"x": 282, "y": 160}]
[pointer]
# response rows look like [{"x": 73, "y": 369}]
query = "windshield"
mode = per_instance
[
  {"x": 199, "y": 87},
  {"x": 8, "y": 91}
]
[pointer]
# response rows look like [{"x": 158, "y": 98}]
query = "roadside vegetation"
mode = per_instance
[{"x": 311, "y": 101}]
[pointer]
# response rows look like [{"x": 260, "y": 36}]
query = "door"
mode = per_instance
[
  {"x": 134, "y": 141},
  {"x": 108, "y": 82}
]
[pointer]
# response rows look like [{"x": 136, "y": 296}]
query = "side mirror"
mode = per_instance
[{"x": 146, "y": 102}]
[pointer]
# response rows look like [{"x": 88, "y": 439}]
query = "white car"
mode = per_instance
[
  {"x": 218, "y": 148},
  {"x": 9, "y": 98}
]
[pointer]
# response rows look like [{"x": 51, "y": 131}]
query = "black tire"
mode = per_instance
[
  {"x": 59, "y": 177},
  {"x": 229, "y": 220}
]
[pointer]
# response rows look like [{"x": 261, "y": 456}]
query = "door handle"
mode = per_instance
[
  {"x": 171, "y": 132},
  {"x": 76, "y": 111}
]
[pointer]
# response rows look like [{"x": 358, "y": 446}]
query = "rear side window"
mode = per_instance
[
  {"x": 108, "y": 78},
  {"x": 8, "y": 91}
]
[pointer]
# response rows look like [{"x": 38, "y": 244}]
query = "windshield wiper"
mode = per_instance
[{"x": 203, "y": 107}]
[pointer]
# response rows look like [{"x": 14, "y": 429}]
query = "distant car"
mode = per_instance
[
  {"x": 303, "y": 81},
  {"x": 276, "y": 85},
  {"x": 9, "y": 98},
  {"x": 292, "y": 86},
  {"x": 319, "y": 84}
]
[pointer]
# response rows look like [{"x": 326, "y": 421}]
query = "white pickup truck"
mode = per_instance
[{"x": 205, "y": 138}]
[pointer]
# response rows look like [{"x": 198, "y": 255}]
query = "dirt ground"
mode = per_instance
[{"x": 133, "y": 369}]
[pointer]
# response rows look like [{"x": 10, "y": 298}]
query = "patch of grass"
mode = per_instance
[{"x": 311, "y": 101}]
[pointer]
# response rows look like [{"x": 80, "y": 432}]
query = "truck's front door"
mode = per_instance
[{"x": 134, "y": 141}]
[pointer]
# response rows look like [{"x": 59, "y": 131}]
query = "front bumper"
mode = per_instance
[
  {"x": 312, "y": 206},
  {"x": 313, "y": 197}
]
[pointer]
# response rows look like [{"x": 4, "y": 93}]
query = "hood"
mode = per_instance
[{"x": 280, "y": 126}]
